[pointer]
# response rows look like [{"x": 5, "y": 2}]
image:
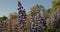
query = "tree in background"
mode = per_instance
[
  {"x": 13, "y": 15},
  {"x": 2, "y": 19}
]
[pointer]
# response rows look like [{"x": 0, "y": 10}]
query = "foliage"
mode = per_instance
[
  {"x": 34, "y": 11},
  {"x": 13, "y": 15}
]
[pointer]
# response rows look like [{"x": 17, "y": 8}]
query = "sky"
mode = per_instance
[{"x": 10, "y": 6}]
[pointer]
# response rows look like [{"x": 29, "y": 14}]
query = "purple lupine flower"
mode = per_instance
[
  {"x": 40, "y": 21},
  {"x": 32, "y": 24},
  {"x": 22, "y": 16}
]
